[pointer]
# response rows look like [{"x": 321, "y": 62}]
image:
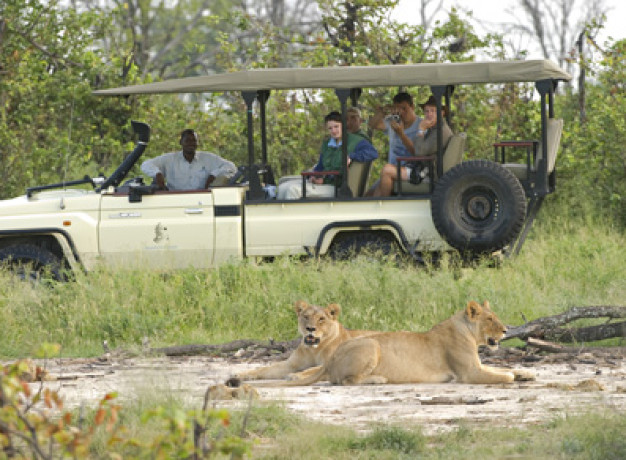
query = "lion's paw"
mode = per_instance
[
  {"x": 223, "y": 392},
  {"x": 524, "y": 376}
]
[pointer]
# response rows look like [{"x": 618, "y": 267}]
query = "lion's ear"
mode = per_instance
[
  {"x": 486, "y": 305},
  {"x": 333, "y": 310},
  {"x": 473, "y": 310},
  {"x": 299, "y": 306}
]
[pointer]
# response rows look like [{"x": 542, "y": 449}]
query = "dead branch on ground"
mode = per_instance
[
  {"x": 267, "y": 347},
  {"x": 549, "y": 327}
]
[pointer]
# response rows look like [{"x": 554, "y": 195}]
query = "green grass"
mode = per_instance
[
  {"x": 597, "y": 435},
  {"x": 563, "y": 264}
]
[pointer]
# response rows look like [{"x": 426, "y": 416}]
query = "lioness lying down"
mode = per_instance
[
  {"x": 321, "y": 334},
  {"x": 449, "y": 351}
]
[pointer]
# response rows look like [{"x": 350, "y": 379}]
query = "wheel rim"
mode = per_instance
[{"x": 479, "y": 206}]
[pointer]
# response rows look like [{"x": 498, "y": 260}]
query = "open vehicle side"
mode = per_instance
[{"x": 477, "y": 207}]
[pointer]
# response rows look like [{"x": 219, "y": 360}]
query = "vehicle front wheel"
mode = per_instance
[
  {"x": 31, "y": 262},
  {"x": 479, "y": 207}
]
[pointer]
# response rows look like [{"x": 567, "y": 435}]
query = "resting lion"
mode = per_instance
[
  {"x": 321, "y": 334},
  {"x": 449, "y": 351}
]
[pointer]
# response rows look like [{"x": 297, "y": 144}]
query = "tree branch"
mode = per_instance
[
  {"x": 588, "y": 334},
  {"x": 548, "y": 326},
  {"x": 41, "y": 48}
]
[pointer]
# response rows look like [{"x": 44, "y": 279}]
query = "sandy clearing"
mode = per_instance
[{"x": 563, "y": 386}]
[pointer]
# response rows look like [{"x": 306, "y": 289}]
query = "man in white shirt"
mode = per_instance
[{"x": 188, "y": 169}]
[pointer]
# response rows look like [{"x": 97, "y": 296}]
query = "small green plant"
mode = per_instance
[{"x": 391, "y": 438}]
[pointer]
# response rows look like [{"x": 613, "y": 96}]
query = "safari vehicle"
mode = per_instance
[{"x": 476, "y": 207}]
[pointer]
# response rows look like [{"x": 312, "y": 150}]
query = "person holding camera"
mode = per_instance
[
  {"x": 423, "y": 142},
  {"x": 400, "y": 123}
]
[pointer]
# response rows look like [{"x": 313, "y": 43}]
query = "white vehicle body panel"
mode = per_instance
[
  {"x": 70, "y": 216},
  {"x": 296, "y": 227},
  {"x": 161, "y": 231}
]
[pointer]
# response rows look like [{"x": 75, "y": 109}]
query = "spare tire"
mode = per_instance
[{"x": 479, "y": 206}]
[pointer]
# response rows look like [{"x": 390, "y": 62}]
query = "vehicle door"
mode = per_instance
[{"x": 164, "y": 230}]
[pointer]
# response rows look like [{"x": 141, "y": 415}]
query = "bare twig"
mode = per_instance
[{"x": 545, "y": 346}]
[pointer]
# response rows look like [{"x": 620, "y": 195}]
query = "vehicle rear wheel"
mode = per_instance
[
  {"x": 479, "y": 207},
  {"x": 31, "y": 262},
  {"x": 350, "y": 244}
]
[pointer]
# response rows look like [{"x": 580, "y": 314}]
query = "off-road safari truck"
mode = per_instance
[{"x": 476, "y": 207}]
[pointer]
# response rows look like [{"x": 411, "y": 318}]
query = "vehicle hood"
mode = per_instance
[{"x": 45, "y": 202}]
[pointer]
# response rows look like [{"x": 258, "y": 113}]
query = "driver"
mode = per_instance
[{"x": 188, "y": 169}]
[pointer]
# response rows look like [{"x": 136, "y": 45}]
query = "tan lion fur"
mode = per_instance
[
  {"x": 321, "y": 334},
  {"x": 449, "y": 351}
]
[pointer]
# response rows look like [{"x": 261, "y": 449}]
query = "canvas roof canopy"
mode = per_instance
[{"x": 443, "y": 74}]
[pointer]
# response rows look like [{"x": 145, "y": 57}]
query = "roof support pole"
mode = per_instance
[
  {"x": 355, "y": 94},
  {"x": 263, "y": 96},
  {"x": 249, "y": 97},
  {"x": 448, "y": 104},
  {"x": 438, "y": 92},
  {"x": 544, "y": 87},
  {"x": 255, "y": 191},
  {"x": 344, "y": 191}
]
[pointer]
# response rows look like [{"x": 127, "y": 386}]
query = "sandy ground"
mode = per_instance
[{"x": 566, "y": 384}]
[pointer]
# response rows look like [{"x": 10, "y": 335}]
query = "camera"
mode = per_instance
[{"x": 393, "y": 117}]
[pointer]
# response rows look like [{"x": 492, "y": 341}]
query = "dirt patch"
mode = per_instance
[{"x": 566, "y": 384}]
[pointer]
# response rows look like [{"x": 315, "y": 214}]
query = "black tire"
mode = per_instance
[
  {"x": 350, "y": 244},
  {"x": 479, "y": 207},
  {"x": 31, "y": 262}
]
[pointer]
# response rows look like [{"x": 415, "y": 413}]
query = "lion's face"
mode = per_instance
[
  {"x": 489, "y": 330},
  {"x": 316, "y": 323}
]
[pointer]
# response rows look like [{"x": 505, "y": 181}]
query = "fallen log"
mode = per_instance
[
  {"x": 588, "y": 334},
  {"x": 548, "y": 327},
  {"x": 225, "y": 348}
]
